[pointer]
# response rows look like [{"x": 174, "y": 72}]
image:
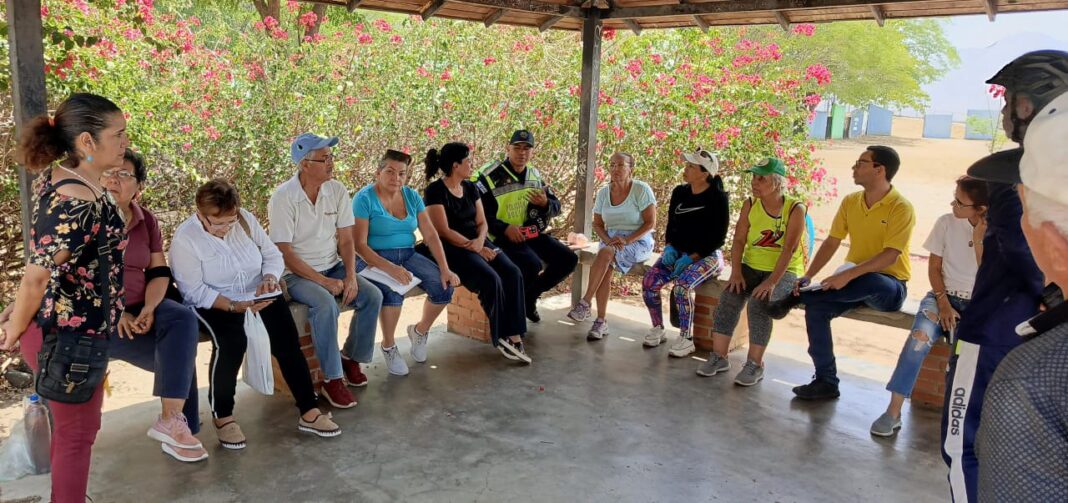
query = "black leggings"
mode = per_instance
[
  {"x": 530, "y": 256},
  {"x": 499, "y": 286},
  {"x": 228, "y": 345}
]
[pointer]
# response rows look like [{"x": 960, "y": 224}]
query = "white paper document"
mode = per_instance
[
  {"x": 380, "y": 276},
  {"x": 816, "y": 285}
]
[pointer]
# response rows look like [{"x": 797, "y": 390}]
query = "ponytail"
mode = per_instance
[
  {"x": 432, "y": 163},
  {"x": 46, "y": 140}
]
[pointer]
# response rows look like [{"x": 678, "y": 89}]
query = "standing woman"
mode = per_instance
[
  {"x": 387, "y": 214},
  {"x": 226, "y": 265},
  {"x": 698, "y": 216},
  {"x": 60, "y": 291},
  {"x": 455, "y": 209},
  {"x": 155, "y": 333},
  {"x": 624, "y": 217},
  {"x": 766, "y": 259}
]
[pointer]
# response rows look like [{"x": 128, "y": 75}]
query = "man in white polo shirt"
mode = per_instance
[{"x": 311, "y": 222}]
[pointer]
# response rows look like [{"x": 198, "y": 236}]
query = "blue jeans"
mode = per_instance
[
  {"x": 875, "y": 290},
  {"x": 323, "y": 311},
  {"x": 169, "y": 351},
  {"x": 914, "y": 351},
  {"x": 421, "y": 267}
]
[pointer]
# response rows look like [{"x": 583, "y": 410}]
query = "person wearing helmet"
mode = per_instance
[{"x": 1008, "y": 283}]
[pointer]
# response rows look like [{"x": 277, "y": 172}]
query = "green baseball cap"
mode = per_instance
[{"x": 768, "y": 166}]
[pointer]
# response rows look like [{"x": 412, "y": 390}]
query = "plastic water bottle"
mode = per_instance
[{"x": 38, "y": 435}]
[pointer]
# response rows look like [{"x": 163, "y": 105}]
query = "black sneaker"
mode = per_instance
[
  {"x": 817, "y": 390},
  {"x": 779, "y": 310},
  {"x": 532, "y": 312}
]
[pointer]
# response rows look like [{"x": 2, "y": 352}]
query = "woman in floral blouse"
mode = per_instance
[{"x": 60, "y": 290}]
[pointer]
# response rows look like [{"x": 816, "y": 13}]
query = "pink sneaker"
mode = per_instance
[
  {"x": 175, "y": 432},
  {"x": 184, "y": 455}
]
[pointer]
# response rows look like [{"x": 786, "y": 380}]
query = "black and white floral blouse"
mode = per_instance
[{"x": 73, "y": 301}]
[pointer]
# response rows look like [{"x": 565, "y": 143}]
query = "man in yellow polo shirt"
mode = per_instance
[{"x": 878, "y": 222}]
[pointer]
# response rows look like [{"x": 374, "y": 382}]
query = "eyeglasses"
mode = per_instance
[
  {"x": 859, "y": 161},
  {"x": 122, "y": 175},
  {"x": 220, "y": 225},
  {"x": 325, "y": 160},
  {"x": 956, "y": 202}
]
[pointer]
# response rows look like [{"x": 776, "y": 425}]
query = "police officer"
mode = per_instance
[{"x": 519, "y": 205}]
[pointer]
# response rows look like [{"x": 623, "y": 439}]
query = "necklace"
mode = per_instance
[{"x": 96, "y": 191}]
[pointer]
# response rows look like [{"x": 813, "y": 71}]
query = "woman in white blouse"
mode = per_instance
[{"x": 226, "y": 265}]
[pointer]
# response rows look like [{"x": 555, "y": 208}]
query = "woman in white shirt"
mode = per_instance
[
  {"x": 956, "y": 246},
  {"x": 624, "y": 216},
  {"x": 225, "y": 265}
]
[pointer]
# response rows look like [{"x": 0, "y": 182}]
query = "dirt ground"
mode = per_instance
[{"x": 929, "y": 168}]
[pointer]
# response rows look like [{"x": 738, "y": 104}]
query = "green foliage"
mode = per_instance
[
  {"x": 217, "y": 91},
  {"x": 990, "y": 126},
  {"x": 886, "y": 66}
]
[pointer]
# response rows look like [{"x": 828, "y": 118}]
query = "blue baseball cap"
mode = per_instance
[{"x": 308, "y": 142}]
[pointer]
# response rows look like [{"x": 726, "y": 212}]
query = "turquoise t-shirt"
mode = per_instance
[
  {"x": 626, "y": 216},
  {"x": 385, "y": 231}
]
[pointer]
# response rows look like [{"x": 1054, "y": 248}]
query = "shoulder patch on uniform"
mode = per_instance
[{"x": 481, "y": 188}]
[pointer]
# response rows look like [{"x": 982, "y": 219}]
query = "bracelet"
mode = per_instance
[{"x": 939, "y": 295}]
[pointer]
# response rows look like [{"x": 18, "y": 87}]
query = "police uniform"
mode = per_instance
[{"x": 543, "y": 260}]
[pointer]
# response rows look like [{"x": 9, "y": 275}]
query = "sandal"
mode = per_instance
[
  {"x": 321, "y": 426},
  {"x": 230, "y": 435}
]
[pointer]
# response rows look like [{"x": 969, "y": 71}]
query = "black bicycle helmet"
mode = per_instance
[{"x": 1040, "y": 75}]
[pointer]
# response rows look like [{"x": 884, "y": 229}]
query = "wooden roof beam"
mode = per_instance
[
  {"x": 737, "y": 6},
  {"x": 633, "y": 25},
  {"x": 782, "y": 20},
  {"x": 549, "y": 23},
  {"x": 877, "y": 13},
  {"x": 701, "y": 23},
  {"x": 532, "y": 6},
  {"x": 431, "y": 9},
  {"x": 991, "y": 8},
  {"x": 493, "y": 17}
]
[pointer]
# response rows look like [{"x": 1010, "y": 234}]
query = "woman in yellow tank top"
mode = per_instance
[{"x": 766, "y": 259}]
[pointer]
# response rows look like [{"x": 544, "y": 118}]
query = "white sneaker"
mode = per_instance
[
  {"x": 418, "y": 343},
  {"x": 598, "y": 331},
  {"x": 682, "y": 348},
  {"x": 654, "y": 337},
  {"x": 395, "y": 361}
]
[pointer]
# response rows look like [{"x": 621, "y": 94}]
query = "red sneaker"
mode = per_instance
[
  {"x": 337, "y": 394},
  {"x": 354, "y": 376}
]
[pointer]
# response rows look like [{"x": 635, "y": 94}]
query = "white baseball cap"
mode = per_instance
[
  {"x": 1044, "y": 166},
  {"x": 707, "y": 160}
]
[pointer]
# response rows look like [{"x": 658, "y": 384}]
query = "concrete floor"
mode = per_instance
[{"x": 607, "y": 421}]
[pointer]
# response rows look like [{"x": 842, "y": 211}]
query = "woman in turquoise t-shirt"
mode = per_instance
[
  {"x": 624, "y": 216},
  {"x": 387, "y": 214}
]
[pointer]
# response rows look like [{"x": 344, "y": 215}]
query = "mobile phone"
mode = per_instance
[{"x": 529, "y": 231}]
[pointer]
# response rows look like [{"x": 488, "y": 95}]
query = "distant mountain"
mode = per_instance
[{"x": 962, "y": 89}]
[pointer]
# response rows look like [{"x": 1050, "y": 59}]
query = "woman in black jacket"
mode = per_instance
[{"x": 698, "y": 217}]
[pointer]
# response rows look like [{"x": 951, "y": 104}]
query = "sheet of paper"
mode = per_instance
[
  {"x": 816, "y": 285},
  {"x": 380, "y": 276}
]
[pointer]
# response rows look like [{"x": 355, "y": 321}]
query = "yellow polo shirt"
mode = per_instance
[{"x": 887, "y": 224}]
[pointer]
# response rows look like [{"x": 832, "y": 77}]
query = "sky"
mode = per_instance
[{"x": 984, "y": 48}]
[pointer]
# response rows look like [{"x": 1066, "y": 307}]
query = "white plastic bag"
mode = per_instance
[{"x": 257, "y": 371}]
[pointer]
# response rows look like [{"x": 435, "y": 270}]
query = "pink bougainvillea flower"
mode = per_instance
[
  {"x": 364, "y": 39},
  {"x": 308, "y": 19},
  {"x": 656, "y": 59},
  {"x": 608, "y": 34},
  {"x": 431, "y": 132},
  {"x": 446, "y": 75},
  {"x": 819, "y": 73},
  {"x": 422, "y": 72},
  {"x": 396, "y": 39},
  {"x": 383, "y": 25},
  {"x": 813, "y": 99},
  {"x": 489, "y": 61},
  {"x": 804, "y": 29},
  {"x": 996, "y": 91},
  {"x": 270, "y": 22},
  {"x": 549, "y": 84},
  {"x": 444, "y": 123}
]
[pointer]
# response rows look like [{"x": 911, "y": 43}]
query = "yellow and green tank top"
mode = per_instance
[{"x": 767, "y": 236}]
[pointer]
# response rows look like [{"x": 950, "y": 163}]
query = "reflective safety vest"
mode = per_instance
[{"x": 510, "y": 193}]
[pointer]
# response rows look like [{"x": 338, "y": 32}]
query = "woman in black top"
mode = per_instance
[
  {"x": 698, "y": 217},
  {"x": 455, "y": 209}
]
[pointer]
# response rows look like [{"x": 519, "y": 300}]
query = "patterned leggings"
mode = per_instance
[{"x": 682, "y": 293}]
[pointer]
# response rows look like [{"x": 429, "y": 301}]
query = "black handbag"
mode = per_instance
[{"x": 73, "y": 364}]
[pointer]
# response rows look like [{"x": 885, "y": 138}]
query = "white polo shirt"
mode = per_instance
[{"x": 311, "y": 229}]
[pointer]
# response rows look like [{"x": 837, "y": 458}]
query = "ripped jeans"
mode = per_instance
[{"x": 915, "y": 350}]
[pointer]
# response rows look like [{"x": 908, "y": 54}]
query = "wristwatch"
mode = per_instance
[{"x": 231, "y": 308}]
